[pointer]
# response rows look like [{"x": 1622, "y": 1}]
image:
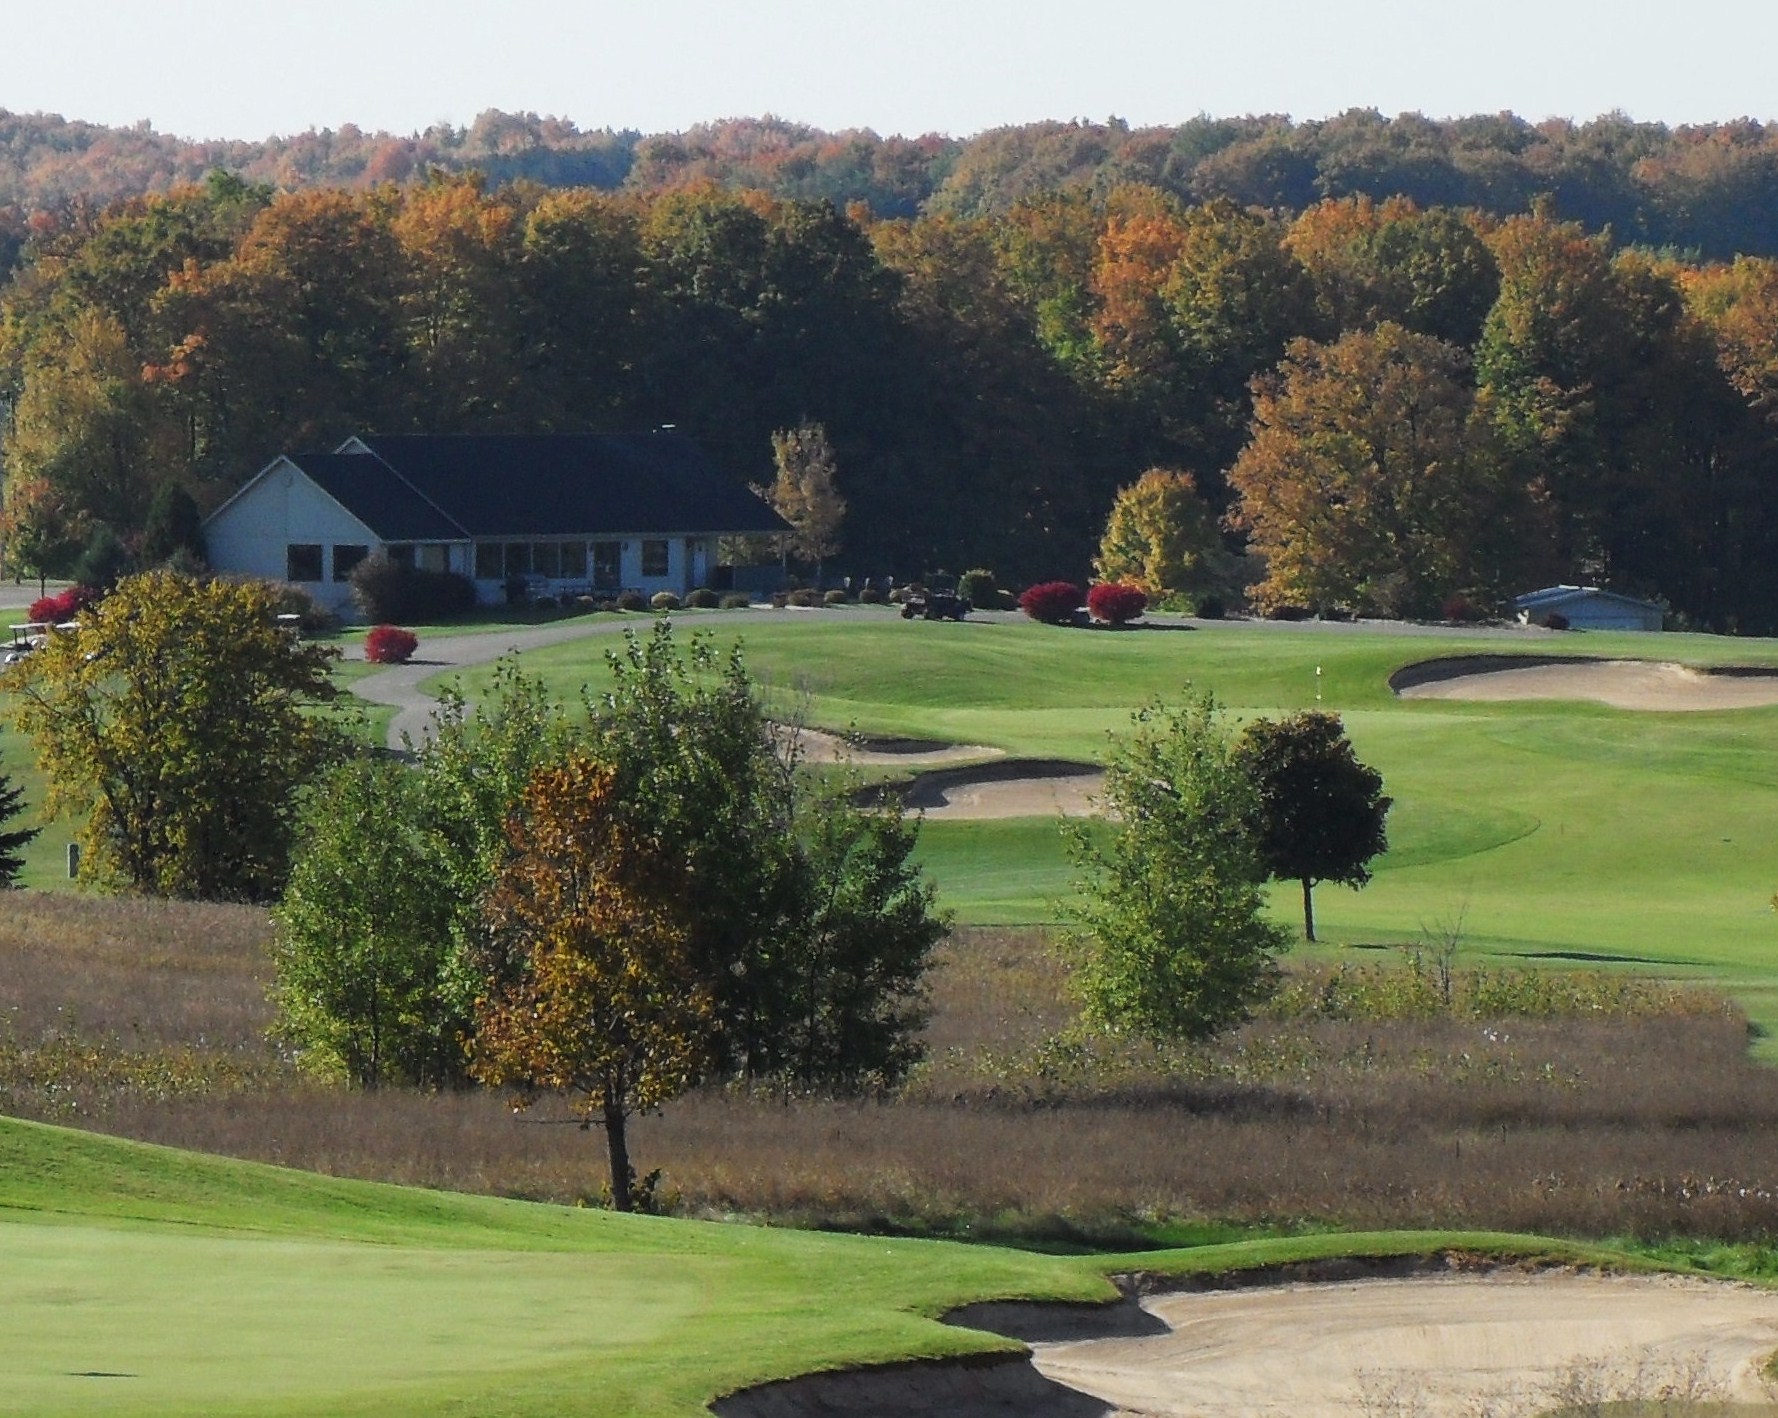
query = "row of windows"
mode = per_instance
[
  {"x": 494, "y": 561},
  {"x": 565, "y": 561}
]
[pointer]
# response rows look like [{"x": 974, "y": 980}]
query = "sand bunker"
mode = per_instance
[
  {"x": 818, "y": 746},
  {"x": 965, "y": 781},
  {"x": 1623, "y": 684},
  {"x": 1428, "y": 1347},
  {"x": 1014, "y": 787}
]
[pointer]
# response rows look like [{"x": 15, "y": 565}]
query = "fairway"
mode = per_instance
[{"x": 1557, "y": 831}]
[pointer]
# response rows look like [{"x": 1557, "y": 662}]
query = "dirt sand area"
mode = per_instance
[
  {"x": 968, "y": 781},
  {"x": 819, "y": 746},
  {"x": 1623, "y": 684},
  {"x": 1503, "y": 1344}
]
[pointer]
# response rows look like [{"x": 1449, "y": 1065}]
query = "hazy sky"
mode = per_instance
[{"x": 247, "y": 69}]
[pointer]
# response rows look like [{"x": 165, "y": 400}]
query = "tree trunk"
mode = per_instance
[
  {"x": 1308, "y": 909},
  {"x": 618, "y": 1149}
]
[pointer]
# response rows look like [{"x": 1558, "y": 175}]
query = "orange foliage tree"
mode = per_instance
[{"x": 603, "y": 1006}]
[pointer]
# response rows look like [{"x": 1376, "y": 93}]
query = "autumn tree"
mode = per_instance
[
  {"x": 13, "y": 842},
  {"x": 806, "y": 917},
  {"x": 1427, "y": 271},
  {"x": 805, "y": 492},
  {"x": 181, "y": 720},
  {"x": 1171, "y": 943},
  {"x": 1321, "y": 813},
  {"x": 1370, "y": 484},
  {"x": 608, "y": 1010},
  {"x": 1162, "y": 536}
]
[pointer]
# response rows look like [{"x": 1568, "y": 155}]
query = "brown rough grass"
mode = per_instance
[{"x": 1630, "y": 1109}]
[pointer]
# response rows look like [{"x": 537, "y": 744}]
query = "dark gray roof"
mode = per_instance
[
  {"x": 371, "y": 491},
  {"x": 521, "y": 485}
]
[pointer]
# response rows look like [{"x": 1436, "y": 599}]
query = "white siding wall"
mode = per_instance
[{"x": 251, "y": 536}]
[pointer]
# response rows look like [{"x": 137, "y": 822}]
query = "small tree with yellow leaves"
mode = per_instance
[
  {"x": 1161, "y": 535},
  {"x": 178, "y": 717},
  {"x": 603, "y": 1006}
]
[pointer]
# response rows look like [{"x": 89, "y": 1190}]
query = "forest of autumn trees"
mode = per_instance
[{"x": 1395, "y": 398}]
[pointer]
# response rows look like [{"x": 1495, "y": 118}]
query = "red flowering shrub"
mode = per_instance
[
  {"x": 1114, "y": 602},
  {"x": 390, "y": 645},
  {"x": 1462, "y": 610},
  {"x": 1052, "y": 602},
  {"x": 64, "y": 605}
]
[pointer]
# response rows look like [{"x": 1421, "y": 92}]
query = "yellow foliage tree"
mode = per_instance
[
  {"x": 1162, "y": 537},
  {"x": 604, "y": 1007},
  {"x": 805, "y": 493},
  {"x": 179, "y": 718}
]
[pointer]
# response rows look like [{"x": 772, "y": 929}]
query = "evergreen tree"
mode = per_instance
[{"x": 12, "y": 844}]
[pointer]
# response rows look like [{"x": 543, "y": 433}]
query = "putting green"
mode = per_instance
[{"x": 143, "y": 1280}]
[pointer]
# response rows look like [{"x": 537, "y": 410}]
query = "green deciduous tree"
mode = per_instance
[
  {"x": 364, "y": 942},
  {"x": 180, "y": 719},
  {"x": 607, "y": 1009},
  {"x": 1172, "y": 945},
  {"x": 383, "y": 946},
  {"x": 1322, "y": 813}
]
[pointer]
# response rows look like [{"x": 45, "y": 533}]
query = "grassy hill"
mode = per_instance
[{"x": 142, "y": 1280}]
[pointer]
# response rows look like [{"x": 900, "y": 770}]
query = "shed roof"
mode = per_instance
[
  {"x": 1562, "y": 595},
  {"x": 519, "y": 485}
]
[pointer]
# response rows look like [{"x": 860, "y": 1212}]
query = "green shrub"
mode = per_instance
[
  {"x": 386, "y": 591},
  {"x": 870, "y": 596},
  {"x": 702, "y": 599},
  {"x": 663, "y": 601},
  {"x": 632, "y": 601},
  {"x": 736, "y": 601},
  {"x": 804, "y": 597},
  {"x": 979, "y": 589},
  {"x": 836, "y": 597},
  {"x": 1210, "y": 608}
]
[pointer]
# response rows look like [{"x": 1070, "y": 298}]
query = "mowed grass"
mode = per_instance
[
  {"x": 142, "y": 1280},
  {"x": 1540, "y": 830},
  {"x": 145, "y": 1280}
]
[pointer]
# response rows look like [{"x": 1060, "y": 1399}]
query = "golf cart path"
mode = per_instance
[
  {"x": 1429, "y": 1346},
  {"x": 399, "y": 685}
]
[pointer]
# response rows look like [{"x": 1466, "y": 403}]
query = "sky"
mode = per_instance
[{"x": 249, "y": 69}]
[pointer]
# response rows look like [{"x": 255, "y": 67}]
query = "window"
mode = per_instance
[
  {"x": 546, "y": 559},
  {"x": 345, "y": 558},
  {"x": 302, "y": 561},
  {"x": 608, "y": 565},
  {"x": 490, "y": 561},
  {"x": 518, "y": 559},
  {"x": 436, "y": 557},
  {"x": 574, "y": 561},
  {"x": 402, "y": 556},
  {"x": 655, "y": 561}
]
